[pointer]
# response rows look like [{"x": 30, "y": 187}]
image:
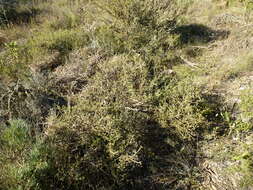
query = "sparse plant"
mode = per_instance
[
  {"x": 13, "y": 65},
  {"x": 244, "y": 154},
  {"x": 246, "y": 106}
]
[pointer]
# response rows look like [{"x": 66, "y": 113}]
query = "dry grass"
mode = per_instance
[{"x": 227, "y": 72}]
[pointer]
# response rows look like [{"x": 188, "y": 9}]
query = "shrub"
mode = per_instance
[
  {"x": 246, "y": 106},
  {"x": 135, "y": 26},
  {"x": 15, "y": 141},
  {"x": 66, "y": 41},
  {"x": 13, "y": 62},
  {"x": 38, "y": 168},
  {"x": 103, "y": 141},
  {"x": 62, "y": 41},
  {"x": 244, "y": 154},
  {"x": 107, "y": 137},
  {"x": 16, "y": 136},
  {"x": 67, "y": 18},
  {"x": 101, "y": 131},
  {"x": 179, "y": 108}
]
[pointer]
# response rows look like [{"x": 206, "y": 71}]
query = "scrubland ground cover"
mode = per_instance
[{"x": 116, "y": 94}]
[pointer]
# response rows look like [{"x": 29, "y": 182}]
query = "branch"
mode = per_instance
[{"x": 191, "y": 64}]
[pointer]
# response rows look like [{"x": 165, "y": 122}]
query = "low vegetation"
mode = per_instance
[{"x": 116, "y": 95}]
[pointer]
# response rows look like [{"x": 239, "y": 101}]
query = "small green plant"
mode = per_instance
[
  {"x": 13, "y": 62},
  {"x": 246, "y": 106},
  {"x": 39, "y": 166},
  {"x": 68, "y": 20},
  {"x": 63, "y": 41},
  {"x": 16, "y": 136},
  {"x": 15, "y": 142},
  {"x": 245, "y": 168}
]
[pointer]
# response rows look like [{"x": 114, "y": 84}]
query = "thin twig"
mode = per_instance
[{"x": 191, "y": 64}]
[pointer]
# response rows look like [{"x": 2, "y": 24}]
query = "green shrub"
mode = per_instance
[
  {"x": 246, "y": 106},
  {"x": 244, "y": 154},
  {"x": 15, "y": 143},
  {"x": 134, "y": 114},
  {"x": 65, "y": 41},
  {"x": 16, "y": 136},
  {"x": 101, "y": 131},
  {"x": 38, "y": 168},
  {"x": 135, "y": 26},
  {"x": 13, "y": 62},
  {"x": 47, "y": 42},
  {"x": 68, "y": 19},
  {"x": 179, "y": 109},
  {"x": 104, "y": 140}
]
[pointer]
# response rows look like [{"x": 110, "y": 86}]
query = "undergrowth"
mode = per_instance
[{"x": 99, "y": 97}]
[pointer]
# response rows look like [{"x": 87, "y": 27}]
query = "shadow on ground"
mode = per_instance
[
  {"x": 14, "y": 16},
  {"x": 213, "y": 109},
  {"x": 163, "y": 165},
  {"x": 198, "y": 34}
]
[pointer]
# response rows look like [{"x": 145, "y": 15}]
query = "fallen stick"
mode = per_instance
[{"x": 191, "y": 64}]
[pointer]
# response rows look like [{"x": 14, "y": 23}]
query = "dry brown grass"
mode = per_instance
[{"x": 227, "y": 65}]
